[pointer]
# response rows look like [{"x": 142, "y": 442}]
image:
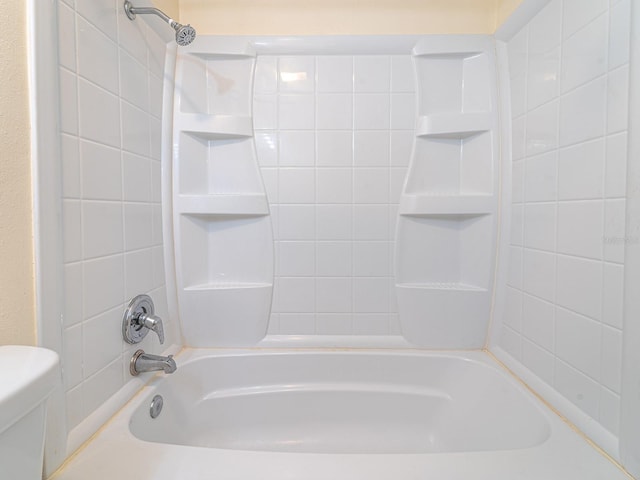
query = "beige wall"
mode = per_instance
[
  {"x": 17, "y": 313},
  {"x": 506, "y": 8},
  {"x": 170, "y": 7},
  {"x": 317, "y": 17}
]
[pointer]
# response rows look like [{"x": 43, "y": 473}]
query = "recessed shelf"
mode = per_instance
[
  {"x": 216, "y": 127},
  {"x": 446, "y": 205},
  {"x": 240, "y": 204},
  {"x": 453, "y": 125}
]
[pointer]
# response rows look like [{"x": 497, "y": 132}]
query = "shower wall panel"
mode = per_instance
[
  {"x": 111, "y": 79},
  {"x": 355, "y": 177},
  {"x": 334, "y": 136},
  {"x": 563, "y": 314}
]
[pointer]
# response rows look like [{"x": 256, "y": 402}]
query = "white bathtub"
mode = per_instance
[{"x": 311, "y": 414}]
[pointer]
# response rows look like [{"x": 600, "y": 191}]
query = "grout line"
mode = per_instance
[
  {"x": 559, "y": 95},
  {"x": 82, "y": 222},
  {"x": 604, "y": 217},
  {"x": 352, "y": 203},
  {"x": 522, "y": 187}
]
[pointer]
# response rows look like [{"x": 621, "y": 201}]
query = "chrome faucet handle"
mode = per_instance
[
  {"x": 139, "y": 318},
  {"x": 152, "y": 322}
]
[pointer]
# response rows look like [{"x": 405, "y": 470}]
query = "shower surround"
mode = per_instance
[
  {"x": 371, "y": 172},
  {"x": 387, "y": 173}
]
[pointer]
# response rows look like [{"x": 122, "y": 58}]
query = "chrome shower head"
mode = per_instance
[{"x": 185, "y": 34}]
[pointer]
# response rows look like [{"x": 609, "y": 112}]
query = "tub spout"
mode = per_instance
[{"x": 145, "y": 362}]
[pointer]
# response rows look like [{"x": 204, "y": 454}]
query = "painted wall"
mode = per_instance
[
  {"x": 504, "y": 9},
  {"x": 170, "y": 7},
  {"x": 17, "y": 314},
  {"x": 563, "y": 317},
  {"x": 318, "y": 17}
]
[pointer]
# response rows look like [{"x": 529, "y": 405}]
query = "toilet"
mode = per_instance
[{"x": 28, "y": 376}]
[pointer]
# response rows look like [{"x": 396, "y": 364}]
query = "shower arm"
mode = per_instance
[{"x": 132, "y": 11}]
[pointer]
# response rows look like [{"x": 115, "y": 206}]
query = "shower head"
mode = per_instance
[{"x": 185, "y": 34}]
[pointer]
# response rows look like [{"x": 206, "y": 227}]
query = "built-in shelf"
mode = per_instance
[
  {"x": 445, "y": 240},
  {"x": 240, "y": 204},
  {"x": 232, "y": 317},
  {"x": 461, "y": 287},
  {"x": 444, "y": 251},
  {"x": 453, "y": 54},
  {"x": 463, "y": 46},
  {"x": 222, "y": 231},
  {"x": 453, "y": 125},
  {"x": 226, "y": 286},
  {"x": 212, "y": 57},
  {"x": 445, "y": 166},
  {"x": 446, "y": 205},
  {"x": 444, "y": 317},
  {"x": 216, "y": 127}
]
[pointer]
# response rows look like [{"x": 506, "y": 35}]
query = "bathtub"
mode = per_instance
[{"x": 337, "y": 414}]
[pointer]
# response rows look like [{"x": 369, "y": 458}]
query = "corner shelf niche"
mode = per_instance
[
  {"x": 455, "y": 79},
  {"x": 218, "y": 250},
  {"x": 446, "y": 234},
  {"x": 455, "y": 126},
  {"x": 222, "y": 229},
  {"x": 452, "y": 166}
]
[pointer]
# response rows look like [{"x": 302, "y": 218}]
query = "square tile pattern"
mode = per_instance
[
  {"x": 334, "y": 145},
  {"x": 563, "y": 318},
  {"x": 111, "y": 72}
]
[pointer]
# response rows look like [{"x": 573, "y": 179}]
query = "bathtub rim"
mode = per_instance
[
  {"x": 564, "y": 435},
  {"x": 479, "y": 358}
]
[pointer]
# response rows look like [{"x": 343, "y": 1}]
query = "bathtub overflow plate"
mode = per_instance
[{"x": 156, "y": 406}]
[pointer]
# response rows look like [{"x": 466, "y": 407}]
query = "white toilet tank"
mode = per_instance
[{"x": 28, "y": 375}]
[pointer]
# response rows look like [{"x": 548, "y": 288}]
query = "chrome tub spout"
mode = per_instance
[{"x": 145, "y": 362}]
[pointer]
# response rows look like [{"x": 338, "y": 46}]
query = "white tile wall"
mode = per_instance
[
  {"x": 563, "y": 320},
  {"x": 110, "y": 70},
  {"x": 334, "y": 137}
]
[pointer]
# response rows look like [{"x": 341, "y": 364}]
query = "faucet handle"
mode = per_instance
[
  {"x": 139, "y": 318},
  {"x": 152, "y": 322}
]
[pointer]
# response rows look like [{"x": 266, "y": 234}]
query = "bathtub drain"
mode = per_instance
[{"x": 156, "y": 406}]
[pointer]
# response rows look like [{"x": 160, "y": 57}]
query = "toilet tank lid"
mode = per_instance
[{"x": 27, "y": 376}]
